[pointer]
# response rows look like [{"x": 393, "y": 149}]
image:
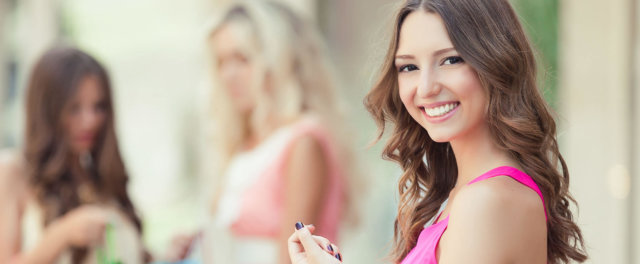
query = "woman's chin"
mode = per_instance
[
  {"x": 440, "y": 138},
  {"x": 80, "y": 149}
]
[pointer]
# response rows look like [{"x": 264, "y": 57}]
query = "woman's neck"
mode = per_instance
[
  {"x": 86, "y": 188},
  {"x": 250, "y": 138},
  {"x": 254, "y": 136},
  {"x": 478, "y": 153}
]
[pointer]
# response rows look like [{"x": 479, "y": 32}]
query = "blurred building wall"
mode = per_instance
[
  {"x": 597, "y": 117},
  {"x": 3, "y": 71},
  {"x": 29, "y": 27},
  {"x": 634, "y": 194}
]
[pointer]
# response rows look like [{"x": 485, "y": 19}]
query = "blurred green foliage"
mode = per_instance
[{"x": 540, "y": 20}]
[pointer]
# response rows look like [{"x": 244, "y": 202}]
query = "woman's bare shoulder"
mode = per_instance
[
  {"x": 502, "y": 194},
  {"x": 498, "y": 213}
]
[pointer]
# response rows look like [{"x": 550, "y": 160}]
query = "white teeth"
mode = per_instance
[{"x": 440, "y": 110}]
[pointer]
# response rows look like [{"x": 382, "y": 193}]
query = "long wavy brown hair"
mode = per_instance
[
  {"x": 491, "y": 40},
  {"x": 53, "y": 82}
]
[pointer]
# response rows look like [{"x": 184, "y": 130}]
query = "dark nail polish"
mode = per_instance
[
  {"x": 299, "y": 225},
  {"x": 339, "y": 257},
  {"x": 330, "y": 248}
]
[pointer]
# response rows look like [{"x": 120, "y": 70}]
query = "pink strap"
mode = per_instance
[{"x": 517, "y": 175}]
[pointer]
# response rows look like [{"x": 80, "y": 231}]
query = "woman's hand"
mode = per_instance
[
  {"x": 305, "y": 248},
  {"x": 84, "y": 226}
]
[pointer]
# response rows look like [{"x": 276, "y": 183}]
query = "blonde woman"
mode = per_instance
[{"x": 277, "y": 118}]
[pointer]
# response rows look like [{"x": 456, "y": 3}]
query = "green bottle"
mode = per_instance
[{"x": 108, "y": 255}]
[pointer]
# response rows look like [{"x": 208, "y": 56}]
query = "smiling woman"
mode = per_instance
[
  {"x": 435, "y": 84},
  {"x": 483, "y": 181}
]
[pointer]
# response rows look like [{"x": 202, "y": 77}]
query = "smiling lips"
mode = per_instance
[
  {"x": 86, "y": 138},
  {"x": 440, "y": 110}
]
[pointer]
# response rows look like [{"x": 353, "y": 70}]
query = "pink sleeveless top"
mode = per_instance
[
  {"x": 425, "y": 250},
  {"x": 264, "y": 200},
  {"x": 249, "y": 216}
]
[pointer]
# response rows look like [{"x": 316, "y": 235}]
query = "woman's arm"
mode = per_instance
[
  {"x": 49, "y": 248},
  {"x": 13, "y": 195},
  {"x": 306, "y": 175},
  {"x": 11, "y": 188},
  {"x": 495, "y": 221},
  {"x": 81, "y": 227}
]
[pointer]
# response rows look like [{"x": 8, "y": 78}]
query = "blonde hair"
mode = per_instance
[{"x": 291, "y": 61}]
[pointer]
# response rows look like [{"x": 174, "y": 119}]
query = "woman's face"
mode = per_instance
[
  {"x": 84, "y": 116},
  {"x": 439, "y": 90},
  {"x": 235, "y": 69}
]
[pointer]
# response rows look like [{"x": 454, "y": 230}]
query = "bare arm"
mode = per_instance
[
  {"x": 49, "y": 248},
  {"x": 83, "y": 226},
  {"x": 306, "y": 177},
  {"x": 11, "y": 186},
  {"x": 13, "y": 195},
  {"x": 495, "y": 221}
]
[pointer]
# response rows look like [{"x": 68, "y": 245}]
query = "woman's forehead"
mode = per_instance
[{"x": 423, "y": 32}]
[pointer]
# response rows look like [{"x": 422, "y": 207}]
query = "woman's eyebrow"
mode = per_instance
[
  {"x": 441, "y": 51},
  {"x": 405, "y": 57},
  {"x": 435, "y": 54}
]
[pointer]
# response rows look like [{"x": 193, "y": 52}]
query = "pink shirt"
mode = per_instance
[
  {"x": 264, "y": 200},
  {"x": 249, "y": 216},
  {"x": 425, "y": 250}
]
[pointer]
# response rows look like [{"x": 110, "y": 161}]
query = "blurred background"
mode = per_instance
[{"x": 589, "y": 51}]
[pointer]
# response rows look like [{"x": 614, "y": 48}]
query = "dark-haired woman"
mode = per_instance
[
  {"x": 459, "y": 85},
  {"x": 68, "y": 186}
]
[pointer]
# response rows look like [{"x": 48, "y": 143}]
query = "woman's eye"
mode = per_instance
[
  {"x": 75, "y": 109},
  {"x": 407, "y": 68},
  {"x": 100, "y": 107},
  {"x": 452, "y": 60}
]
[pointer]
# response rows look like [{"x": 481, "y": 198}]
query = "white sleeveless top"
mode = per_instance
[{"x": 221, "y": 244}]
